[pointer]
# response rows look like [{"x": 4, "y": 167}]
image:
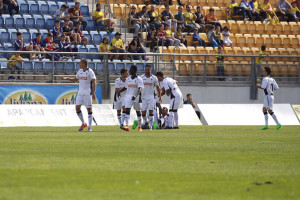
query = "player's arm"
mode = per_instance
[
  {"x": 163, "y": 91},
  {"x": 70, "y": 79},
  {"x": 158, "y": 93},
  {"x": 94, "y": 85},
  {"x": 137, "y": 93},
  {"x": 263, "y": 85}
]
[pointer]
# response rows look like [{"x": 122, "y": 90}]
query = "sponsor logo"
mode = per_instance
[
  {"x": 83, "y": 78},
  {"x": 69, "y": 98},
  {"x": 25, "y": 97},
  {"x": 132, "y": 85},
  {"x": 150, "y": 84}
]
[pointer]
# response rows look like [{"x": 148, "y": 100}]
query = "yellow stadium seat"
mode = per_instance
[
  {"x": 229, "y": 68},
  {"x": 292, "y": 52},
  {"x": 239, "y": 51},
  {"x": 287, "y": 28},
  {"x": 283, "y": 52},
  {"x": 195, "y": 51},
  {"x": 211, "y": 69},
  {"x": 185, "y": 51},
  {"x": 246, "y": 68},
  {"x": 238, "y": 69},
  {"x": 275, "y": 68},
  {"x": 295, "y": 41},
  {"x": 270, "y": 28},
  {"x": 277, "y": 41},
  {"x": 252, "y": 28},
  {"x": 255, "y": 50},
  {"x": 268, "y": 40},
  {"x": 247, "y": 52},
  {"x": 183, "y": 70},
  {"x": 233, "y": 39},
  {"x": 283, "y": 68},
  {"x": 292, "y": 69},
  {"x": 242, "y": 40},
  {"x": 276, "y": 52},
  {"x": 243, "y": 28},
  {"x": 198, "y": 69},
  {"x": 238, "y": 36},
  {"x": 211, "y": 50},
  {"x": 261, "y": 29},
  {"x": 251, "y": 41},
  {"x": 118, "y": 11},
  {"x": 259, "y": 40},
  {"x": 279, "y": 28},
  {"x": 230, "y": 51},
  {"x": 189, "y": 39},
  {"x": 286, "y": 41},
  {"x": 220, "y": 14},
  {"x": 194, "y": 2},
  {"x": 295, "y": 28},
  {"x": 235, "y": 27}
]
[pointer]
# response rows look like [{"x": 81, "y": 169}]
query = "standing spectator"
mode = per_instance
[
  {"x": 151, "y": 37},
  {"x": 77, "y": 30},
  {"x": 136, "y": 46},
  {"x": 218, "y": 37},
  {"x": 68, "y": 31},
  {"x": 117, "y": 46},
  {"x": 20, "y": 46},
  {"x": 226, "y": 35},
  {"x": 210, "y": 18},
  {"x": 180, "y": 17},
  {"x": 260, "y": 59},
  {"x": 190, "y": 19},
  {"x": 75, "y": 15},
  {"x": 12, "y": 5},
  {"x": 99, "y": 17},
  {"x": 179, "y": 36},
  {"x": 197, "y": 38},
  {"x": 37, "y": 43},
  {"x": 284, "y": 9},
  {"x": 12, "y": 65},
  {"x": 211, "y": 35},
  {"x": 3, "y": 8},
  {"x": 170, "y": 38},
  {"x": 189, "y": 100},
  {"x": 135, "y": 21},
  {"x": 61, "y": 15},
  {"x": 103, "y": 48},
  {"x": 168, "y": 18},
  {"x": 266, "y": 11},
  {"x": 255, "y": 9},
  {"x": 200, "y": 19},
  {"x": 153, "y": 17},
  {"x": 295, "y": 11},
  {"x": 220, "y": 64}
]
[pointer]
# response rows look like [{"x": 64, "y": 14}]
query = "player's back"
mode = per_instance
[
  {"x": 172, "y": 84},
  {"x": 269, "y": 84}
]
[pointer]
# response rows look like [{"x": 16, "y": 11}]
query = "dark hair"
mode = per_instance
[
  {"x": 19, "y": 33},
  {"x": 188, "y": 95},
  {"x": 268, "y": 70},
  {"x": 148, "y": 65},
  {"x": 84, "y": 61},
  {"x": 211, "y": 9},
  {"x": 133, "y": 69},
  {"x": 144, "y": 7},
  {"x": 38, "y": 34},
  {"x": 77, "y": 2},
  {"x": 57, "y": 21},
  {"x": 123, "y": 70},
  {"x": 50, "y": 35},
  {"x": 65, "y": 6},
  {"x": 263, "y": 47},
  {"x": 63, "y": 35},
  {"x": 198, "y": 7},
  {"x": 104, "y": 39},
  {"x": 98, "y": 4},
  {"x": 160, "y": 73},
  {"x": 226, "y": 27}
]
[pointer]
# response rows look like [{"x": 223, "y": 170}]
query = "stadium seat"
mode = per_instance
[
  {"x": 97, "y": 39},
  {"x": 279, "y": 28},
  {"x": 38, "y": 67},
  {"x": 295, "y": 28},
  {"x": 283, "y": 68},
  {"x": 9, "y": 22},
  {"x": 3, "y": 63},
  {"x": 44, "y": 9},
  {"x": 40, "y": 23},
  {"x": 94, "y": 50},
  {"x": 111, "y": 67},
  {"x": 30, "y": 23},
  {"x": 185, "y": 51},
  {"x": 70, "y": 67},
  {"x": 84, "y": 10},
  {"x": 140, "y": 67},
  {"x": 48, "y": 67},
  {"x": 24, "y": 8},
  {"x": 99, "y": 66},
  {"x": 85, "y": 50},
  {"x": 50, "y": 23},
  {"x": 53, "y": 9},
  {"x": 295, "y": 41},
  {"x": 33, "y": 32},
  {"x": 34, "y": 9},
  {"x": 277, "y": 42},
  {"x": 28, "y": 67},
  {"x": 27, "y": 37},
  {"x": 5, "y": 37},
  {"x": 59, "y": 67},
  {"x": 91, "y": 25},
  {"x": 119, "y": 65}
]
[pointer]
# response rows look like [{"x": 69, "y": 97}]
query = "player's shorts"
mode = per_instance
[
  {"x": 148, "y": 104},
  {"x": 176, "y": 103},
  {"x": 118, "y": 105},
  {"x": 268, "y": 102},
  {"x": 128, "y": 103},
  {"x": 84, "y": 100}
]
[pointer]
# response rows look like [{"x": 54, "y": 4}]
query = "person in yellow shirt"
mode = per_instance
[
  {"x": 254, "y": 9},
  {"x": 12, "y": 65},
  {"x": 266, "y": 10},
  {"x": 231, "y": 8},
  {"x": 103, "y": 47},
  {"x": 190, "y": 18},
  {"x": 153, "y": 17},
  {"x": 99, "y": 17},
  {"x": 171, "y": 40},
  {"x": 117, "y": 46},
  {"x": 295, "y": 11},
  {"x": 260, "y": 59}
]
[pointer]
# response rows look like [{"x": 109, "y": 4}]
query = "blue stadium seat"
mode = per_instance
[
  {"x": 99, "y": 67},
  {"x": 84, "y": 10},
  {"x": 45, "y": 9},
  {"x": 112, "y": 67},
  {"x": 70, "y": 67},
  {"x": 20, "y": 23},
  {"x": 92, "y": 66},
  {"x": 5, "y": 37},
  {"x": 48, "y": 67},
  {"x": 2, "y": 55},
  {"x": 59, "y": 67},
  {"x": 34, "y": 9},
  {"x": 50, "y": 23},
  {"x": 9, "y": 22},
  {"x": 140, "y": 67},
  {"x": 89, "y": 37},
  {"x": 53, "y": 9},
  {"x": 43, "y": 31},
  {"x": 27, "y": 37},
  {"x": 120, "y": 65},
  {"x": 33, "y": 33},
  {"x": 105, "y": 34},
  {"x": 83, "y": 50},
  {"x": 15, "y": 16},
  {"x": 27, "y": 67},
  {"x": 38, "y": 67},
  {"x": 128, "y": 63},
  {"x": 40, "y": 23},
  {"x": 50, "y": 3},
  {"x": 59, "y": 3},
  {"x": 30, "y": 23},
  {"x": 71, "y": 4},
  {"x": 94, "y": 50},
  {"x": 44, "y": 36},
  {"x": 24, "y": 8},
  {"x": 1, "y": 22},
  {"x": 9, "y": 55},
  {"x": 97, "y": 39},
  {"x": 91, "y": 25}
]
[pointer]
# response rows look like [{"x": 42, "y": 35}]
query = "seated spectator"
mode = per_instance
[
  {"x": 284, "y": 9},
  {"x": 103, "y": 48},
  {"x": 75, "y": 15},
  {"x": 220, "y": 64},
  {"x": 57, "y": 31},
  {"x": 61, "y": 15},
  {"x": 37, "y": 44},
  {"x": 197, "y": 38},
  {"x": 266, "y": 11},
  {"x": 233, "y": 9},
  {"x": 12, "y": 65},
  {"x": 99, "y": 17},
  {"x": 247, "y": 10},
  {"x": 117, "y": 46},
  {"x": 151, "y": 37},
  {"x": 20, "y": 46},
  {"x": 179, "y": 36},
  {"x": 210, "y": 18},
  {"x": 168, "y": 18},
  {"x": 77, "y": 30},
  {"x": 190, "y": 19},
  {"x": 218, "y": 37},
  {"x": 160, "y": 33},
  {"x": 211, "y": 36},
  {"x": 64, "y": 46},
  {"x": 156, "y": 2},
  {"x": 200, "y": 19},
  {"x": 12, "y": 5},
  {"x": 171, "y": 41},
  {"x": 135, "y": 21},
  {"x": 189, "y": 100},
  {"x": 3, "y": 8},
  {"x": 153, "y": 17},
  {"x": 143, "y": 16},
  {"x": 255, "y": 9},
  {"x": 180, "y": 17},
  {"x": 49, "y": 45},
  {"x": 68, "y": 31},
  {"x": 295, "y": 11},
  {"x": 136, "y": 46},
  {"x": 226, "y": 35}
]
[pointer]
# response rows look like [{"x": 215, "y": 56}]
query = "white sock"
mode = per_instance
[
  {"x": 171, "y": 116},
  {"x": 120, "y": 119},
  {"x": 127, "y": 117},
  {"x": 266, "y": 119},
  {"x": 275, "y": 119},
  {"x": 90, "y": 117},
  {"x": 175, "y": 119},
  {"x": 79, "y": 114},
  {"x": 145, "y": 119},
  {"x": 123, "y": 117},
  {"x": 151, "y": 118},
  {"x": 140, "y": 120}
]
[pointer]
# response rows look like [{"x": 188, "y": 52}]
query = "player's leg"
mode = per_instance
[
  {"x": 271, "y": 100},
  {"x": 265, "y": 111},
  {"x": 128, "y": 105},
  {"x": 144, "y": 111},
  {"x": 123, "y": 114},
  {"x": 151, "y": 106},
  {"x": 79, "y": 102},
  {"x": 137, "y": 107},
  {"x": 88, "y": 103},
  {"x": 118, "y": 107},
  {"x": 176, "y": 105}
]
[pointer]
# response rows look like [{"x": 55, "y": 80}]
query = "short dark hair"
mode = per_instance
[
  {"x": 57, "y": 21},
  {"x": 144, "y": 7},
  {"x": 211, "y": 9},
  {"x": 133, "y": 69},
  {"x": 123, "y": 71},
  {"x": 38, "y": 34},
  {"x": 160, "y": 73},
  {"x": 50, "y": 35},
  {"x": 65, "y": 6},
  {"x": 148, "y": 65},
  {"x": 84, "y": 61},
  {"x": 77, "y": 2},
  {"x": 188, "y": 95},
  {"x": 263, "y": 47},
  {"x": 19, "y": 33},
  {"x": 63, "y": 35},
  {"x": 268, "y": 70},
  {"x": 198, "y": 7},
  {"x": 98, "y": 4}
]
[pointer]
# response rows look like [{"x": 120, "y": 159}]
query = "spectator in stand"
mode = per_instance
[
  {"x": 295, "y": 11},
  {"x": 103, "y": 48},
  {"x": 226, "y": 35},
  {"x": 136, "y": 46},
  {"x": 49, "y": 45},
  {"x": 57, "y": 31},
  {"x": 61, "y": 15},
  {"x": 284, "y": 9},
  {"x": 20, "y": 46},
  {"x": 200, "y": 19},
  {"x": 210, "y": 18},
  {"x": 3, "y": 8},
  {"x": 156, "y": 2},
  {"x": 220, "y": 64},
  {"x": 233, "y": 9},
  {"x": 247, "y": 10},
  {"x": 211, "y": 36},
  {"x": 153, "y": 17},
  {"x": 143, "y": 16},
  {"x": 12, "y": 65},
  {"x": 67, "y": 30},
  {"x": 218, "y": 37},
  {"x": 197, "y": 38},
  {"x": 260, "y": 59},
  {"x": 161, "y": 35},
  {"x": 37, "y": 43},
  {"x": 64, "y": 46},
  {"x": 151, "y": 37},
  {"x": 99, "y": 17},
  {"x": 179, "y": 36},
  {"x": 266, "y": 11},
  {"x": 190, "y": 19},
  {"x": 75, "y": 15},
  {"x": 171, "y": 40},
  {"x": 189, "y": 100},
  {"x": 255, "y": 9},
  {"x": 180, "y": 17},
  {"x": 168, "y": 18},
  {"x": 135, "y": 21},
  {"x": 117, "y": 46},
  {"x": 12, "y": 5},
  {"x": 77, "y": 30}
]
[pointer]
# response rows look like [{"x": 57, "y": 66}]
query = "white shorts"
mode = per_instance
[
  {"x": 128, "y": 103},
  {"x": 118, "y": 105},
  {"x": 148, "y": 104},
  {"x": 176, "y": 103},
  {"x": 268, "y": 102},
  {"x": 84, "y": 100}
]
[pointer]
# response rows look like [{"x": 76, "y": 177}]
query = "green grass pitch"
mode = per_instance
[{"x": 194, "y": 162}]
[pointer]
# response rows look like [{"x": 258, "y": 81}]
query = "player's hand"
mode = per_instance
[
  {"x": 160, "y": 100},
  {"x": 94, "y": 97},
  {"x": 64, "y": 78},
  {"x": 258, "y": 85},
  {"x": 133, "y": 98},
  {"x": 119, "y": 95}
]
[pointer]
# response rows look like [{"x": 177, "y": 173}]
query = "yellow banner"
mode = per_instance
[{"x": 297, "y": 110}]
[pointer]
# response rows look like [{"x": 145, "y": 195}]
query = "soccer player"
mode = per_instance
[
  {"x": 120, "y": 92},
  {"x": 86, "y": 92},
  {"x": 134, "y": 85},
  {"x": 268, "y": 85},
  {"x": 169, "y": 86},
  {"x": 148, "y": 95}
]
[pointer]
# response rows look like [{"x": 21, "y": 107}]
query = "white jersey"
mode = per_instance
[
  {"x": 269, "y": 85},
  {"x": 119, "y": 83},
  {"x": 150, "y": 84},
  {"x": 133, "y": 86},
  {"x": 85, "y": 81},
  {"x": 171, "y": 84}
]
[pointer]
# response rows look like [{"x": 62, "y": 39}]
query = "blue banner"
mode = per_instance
[{"x": 42, "y": 94}]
